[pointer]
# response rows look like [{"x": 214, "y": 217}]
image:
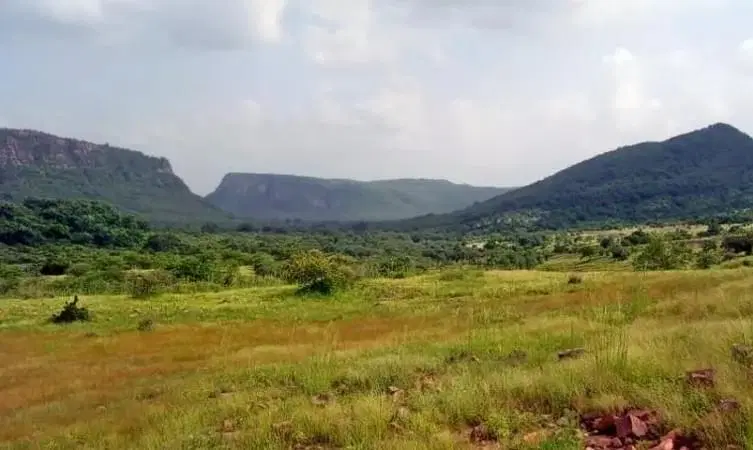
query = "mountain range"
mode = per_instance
[
  {"x": 271, "y": 196},
  {"x": 698, "y": 173},
  {"x": 37, "y": 164}
]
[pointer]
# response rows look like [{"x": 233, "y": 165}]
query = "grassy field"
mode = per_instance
[{"x": 389, "y": 364}]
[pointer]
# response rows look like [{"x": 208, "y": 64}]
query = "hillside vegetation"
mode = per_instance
[
  {"x": 36, "y": 164},
  {"x": 270, "y": 196},
  {"x": 117, "y": 335},
  {"x": 702, "y": 173}
]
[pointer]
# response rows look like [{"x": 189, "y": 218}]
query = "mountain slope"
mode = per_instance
[
  {"x": 36, "y": 164},
  {"x": 269, "y": 196},
  {"x": 703, "y": 172}
]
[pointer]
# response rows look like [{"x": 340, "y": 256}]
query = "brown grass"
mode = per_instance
[{"x": 61, "y": 388}]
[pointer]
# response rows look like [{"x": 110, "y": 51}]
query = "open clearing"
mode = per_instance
[{"x": 412, "y": 363}]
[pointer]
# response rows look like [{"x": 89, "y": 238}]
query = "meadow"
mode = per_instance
[{"x": 421, "y": 362}]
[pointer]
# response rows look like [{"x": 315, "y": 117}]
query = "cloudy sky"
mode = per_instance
[{"x": 493, "y": 92}]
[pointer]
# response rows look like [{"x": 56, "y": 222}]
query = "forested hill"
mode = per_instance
[
  {"x": 36, "y": 164},
  {"x": 272, "y": 196},
  {"x": 700, "y": 173}
]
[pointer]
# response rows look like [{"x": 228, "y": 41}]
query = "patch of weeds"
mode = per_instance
[
  {"x": 71, "y": 312},
  {"x": 149, "y": 394},
  {"x": 146, "y": 325},
  {"x": 462, "y": 356},
  {"x": 350, "y": 385},
  {"x": 567, "y": 439},
  {"x": 460, "y": 275}
]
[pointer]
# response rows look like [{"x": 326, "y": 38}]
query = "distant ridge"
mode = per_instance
[{"x": 275, "y": 196}]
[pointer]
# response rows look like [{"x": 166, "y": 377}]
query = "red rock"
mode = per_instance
[
  {"x": 666, "y": 444},
  {"x": 599, "y": 442},
  {"x": 630, "y": 425},
  {"x": 604, "y": 423}
]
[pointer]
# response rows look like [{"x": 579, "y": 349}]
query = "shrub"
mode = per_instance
[
  {"x": 54, "y": 267},
  {"x": 394, "y": 267},
  {"x": 146, "y": 325},
  {"x": 738, "y": 244},
  {"x": 192, "y": 268},
  {"x": 637, "y": 237},
  {"x": 147, "y": 284},
  {"x": 662, "y": 255},
  {"x": 619, "y": 252},
  {"x": 79, "y": 269},
  {"x": 164, "y": 242},
  {"x": 71, "y": 312},
  {"x": 225, "y": 274},
  {"x": 710, "y": 255},
  {"x": 588, "y": 251},
  {"x": 10, "y": 278},
  {"x": 265, "y": 264},
  {"x": 316, "y": 272}
]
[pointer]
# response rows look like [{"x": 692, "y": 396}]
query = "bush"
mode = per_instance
[
  {"x": 192, "y": 268},
  {"x": 738, "y": 244},
  {"x": 394, "y": 267},
  {"x": 265, "y": 265},
  {"x": 10, "y": 278},
  {"x": 54, "y": 267},
  {"x": 588, "y": 251},
  {"x": 147, "y": 284},
  {"x": 638, "y": 237},
  {"x": 70, "y": 313},
  {"x": 710, "y": 255},
  {"x": 662, "y": 255},
  {"x": 619, "y": 252},
  {"x": 146, "y": 325},
  {"x": 225, "y": 274},
  {"x": 316, "y": 272},
  {"x": 78, "y": 269}
]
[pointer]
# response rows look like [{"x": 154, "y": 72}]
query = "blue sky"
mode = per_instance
[{"x": 492, "y": 92}]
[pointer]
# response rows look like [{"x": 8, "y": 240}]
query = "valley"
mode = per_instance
[{"x": 126, "y": 329}]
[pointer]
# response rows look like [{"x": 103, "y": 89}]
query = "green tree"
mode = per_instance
[
  {"x": 317, "y": 272},
  {"x": 662, "y": 255},
  {"x": 710, "y": 255}
]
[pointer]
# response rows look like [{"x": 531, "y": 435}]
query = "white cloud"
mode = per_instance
[
  {"x": 229, "y": 24},
  {"x": 745, "y": 52}
]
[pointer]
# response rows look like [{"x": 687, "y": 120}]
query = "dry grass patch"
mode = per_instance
[{"x": 416, "y": 363}]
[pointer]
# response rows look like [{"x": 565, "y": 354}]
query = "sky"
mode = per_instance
[{"x": 487, "y": 92}]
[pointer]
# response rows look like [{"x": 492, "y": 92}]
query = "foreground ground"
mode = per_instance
[{"x": 412, "y": 363}]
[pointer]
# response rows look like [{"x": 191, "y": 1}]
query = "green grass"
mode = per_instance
[{"x": 264, "y": 368}]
